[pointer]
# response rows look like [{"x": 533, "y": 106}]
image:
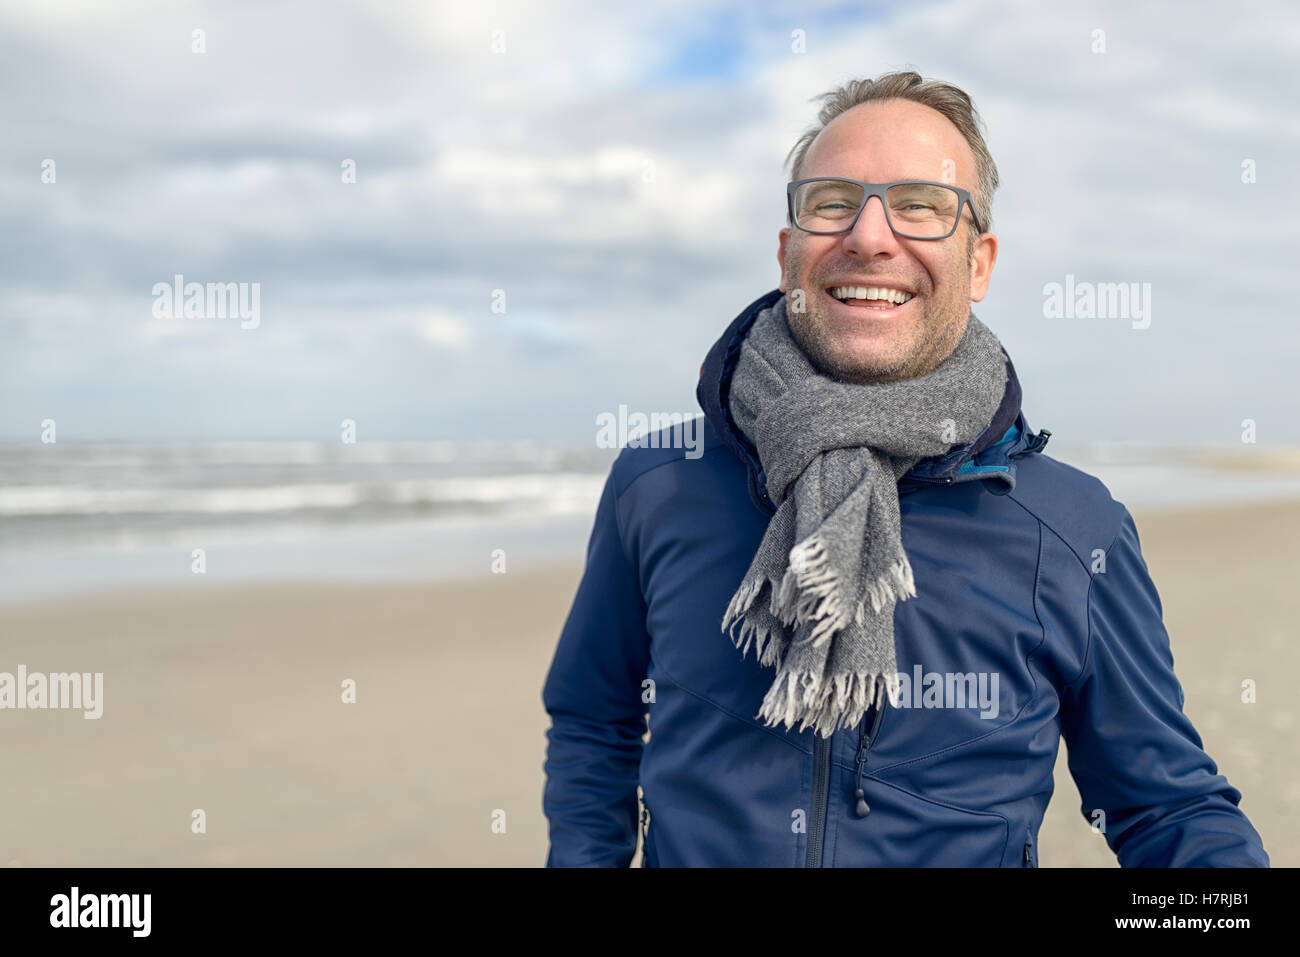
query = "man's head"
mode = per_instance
[{"x": 896, "y": 127}]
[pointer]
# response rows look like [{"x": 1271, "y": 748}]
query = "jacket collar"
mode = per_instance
[{"x": 990, "y": 457}]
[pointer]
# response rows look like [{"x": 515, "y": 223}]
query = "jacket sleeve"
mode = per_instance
[
  {"x": 593, "y": 695},
  {"x": 1133, "y": 753}
]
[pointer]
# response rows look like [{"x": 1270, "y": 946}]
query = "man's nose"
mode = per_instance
[{"x": 871, "y": 234}]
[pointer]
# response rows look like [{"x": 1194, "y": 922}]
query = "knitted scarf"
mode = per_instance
[{"x": 819, "y": 597}]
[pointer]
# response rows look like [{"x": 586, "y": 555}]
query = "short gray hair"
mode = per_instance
[{"x": 951, "y": 101}]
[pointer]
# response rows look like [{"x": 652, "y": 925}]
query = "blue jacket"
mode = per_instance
[{"x": 1024, "y": 567}]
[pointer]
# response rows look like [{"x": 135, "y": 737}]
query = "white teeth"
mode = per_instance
[{"x": 871, "y": 292}]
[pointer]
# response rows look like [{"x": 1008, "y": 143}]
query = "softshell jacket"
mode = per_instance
[{"x": 1024, "y": 567}]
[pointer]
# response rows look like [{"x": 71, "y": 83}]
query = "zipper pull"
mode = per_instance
[
  {"x": 864, "y": 744},
  {"x": 870, "y": 726},
  {"x": 862, "y": 808}
]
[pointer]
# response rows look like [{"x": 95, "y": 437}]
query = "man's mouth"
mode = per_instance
[{"x": 881, "y": 299}]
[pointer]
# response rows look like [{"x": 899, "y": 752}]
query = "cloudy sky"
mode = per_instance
[{"x": 617, "y": 170}]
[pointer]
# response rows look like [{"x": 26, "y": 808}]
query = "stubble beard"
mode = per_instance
[{"x": 813, "y": 330}]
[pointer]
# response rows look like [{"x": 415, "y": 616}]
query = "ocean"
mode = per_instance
[{"x": 78, "y": 518}]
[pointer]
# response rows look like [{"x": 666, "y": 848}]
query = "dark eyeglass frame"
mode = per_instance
[{"x": 878, "y": 189}]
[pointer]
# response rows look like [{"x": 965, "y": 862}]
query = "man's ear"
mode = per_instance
[
  {"x": 784, "y": 235},
  {"x": 982, "y": 258}
]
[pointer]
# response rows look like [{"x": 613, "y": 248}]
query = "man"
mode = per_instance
[{"x": 933, "y": 603}]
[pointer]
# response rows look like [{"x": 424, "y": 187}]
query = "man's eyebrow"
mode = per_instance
[{"x": 822, "y": 183}]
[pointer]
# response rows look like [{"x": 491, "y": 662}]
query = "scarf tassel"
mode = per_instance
[
  {"x": 767, "y": 648},
  {"x": 841, "y": 702},
  {"x": 810, "y": 591}
]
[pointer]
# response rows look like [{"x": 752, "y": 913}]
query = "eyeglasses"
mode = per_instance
[{"x": 914, "y": 209}]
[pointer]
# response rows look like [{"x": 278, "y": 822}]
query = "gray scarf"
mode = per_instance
[{"x": 832, "y": 558}]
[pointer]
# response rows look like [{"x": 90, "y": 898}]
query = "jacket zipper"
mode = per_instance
[
  {"x": 864, "y": 747},
  {"x": 821, "y": 795},
  {"x": 822, "y": 782}
]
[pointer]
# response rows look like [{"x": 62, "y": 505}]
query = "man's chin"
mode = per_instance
[{"x": 856, "y": 358}]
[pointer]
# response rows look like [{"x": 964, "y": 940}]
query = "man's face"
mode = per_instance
[{"x": 862, "y": 342}]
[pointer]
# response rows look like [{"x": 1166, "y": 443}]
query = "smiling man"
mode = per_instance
[
  {"x": 912, "y": 296},
  {"x": 933, "y": 603}
]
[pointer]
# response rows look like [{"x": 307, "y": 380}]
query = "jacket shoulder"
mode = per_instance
[
  {"x": 690, "y": 441},
  {"x": 1076, "y": 506}
]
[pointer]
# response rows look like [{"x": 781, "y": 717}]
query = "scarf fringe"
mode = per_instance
[
  {"x": 768, "y": 647},
  {"x": 841, "y": 702},
  {"x": 809, "y": 591},
  {"x": 897, "y": 583}
]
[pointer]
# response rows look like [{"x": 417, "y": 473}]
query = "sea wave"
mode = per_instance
[{"x": 542, "y": 488}]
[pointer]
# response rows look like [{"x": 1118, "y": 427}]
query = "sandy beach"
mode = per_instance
[{"x": 228, "y": 700}]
